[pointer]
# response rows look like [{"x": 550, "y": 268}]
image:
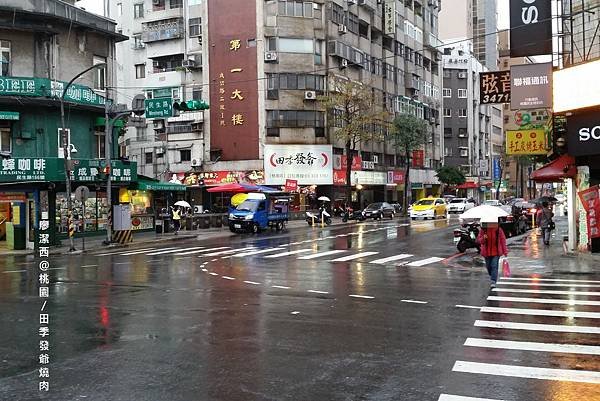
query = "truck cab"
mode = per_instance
[{"x": 258, "y": 212}]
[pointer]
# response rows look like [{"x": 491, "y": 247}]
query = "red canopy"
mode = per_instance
[
  {"x": 467, "y": 185},
  {"x": 233, "y": 187},
  {"x": 556, "y": 170}
]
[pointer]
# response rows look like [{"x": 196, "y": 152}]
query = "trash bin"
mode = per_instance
[
  {"x": 203, "y": 222},
  {"x": 167, "y": 226},
  {"x": 159, "y": 226},
  {"x": 188, "y": 223},
  {"x": 217, "y": 221}
]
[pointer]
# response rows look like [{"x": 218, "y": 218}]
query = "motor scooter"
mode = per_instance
[
  {"x": 466, "y": 237},
  {"x": 351, "y": 214},
  {"x": 316, "y": 218}
]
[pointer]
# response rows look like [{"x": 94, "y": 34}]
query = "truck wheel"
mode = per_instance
[
  {"x": 255, "y": 228},
  {"x": 279, "y": 226},
  {"x": 392, "y": 216},
  {"x": 232, "y": 229}
]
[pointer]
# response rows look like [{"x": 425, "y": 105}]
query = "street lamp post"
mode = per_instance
[{"x": 67, "y": 154}]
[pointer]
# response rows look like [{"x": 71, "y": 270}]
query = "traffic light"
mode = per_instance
[
  {"x": 190, "y": 105},
  {"x": 103, "y": 173}
]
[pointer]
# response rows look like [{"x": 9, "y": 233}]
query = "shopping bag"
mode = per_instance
[{"x": 505, "y": 268}]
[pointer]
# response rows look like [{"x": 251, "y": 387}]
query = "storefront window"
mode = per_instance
[
  {"x": 141, "y": 202},
  {"x": 94, "y": 218}
]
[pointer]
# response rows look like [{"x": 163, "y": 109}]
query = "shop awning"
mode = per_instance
[
  {"x": 467, "y": 185},
  {"x": 234, "y": 187},
  {"x": 557, "y": 170},
  {"x": 149, "y": 184}
]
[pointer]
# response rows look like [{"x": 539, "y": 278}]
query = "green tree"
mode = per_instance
[
  {"x": 450, "y": 176},
  {"x": 409, "y": 133},
  {"x": 355, "y": 116}
]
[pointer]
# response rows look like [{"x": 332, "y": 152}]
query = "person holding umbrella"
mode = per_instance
[
  {"x": 544, "y": 217},
  {"x": 176, "y": 218},
  {"x": 493, "y": 245}
]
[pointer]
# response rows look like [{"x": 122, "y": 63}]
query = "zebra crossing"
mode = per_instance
[
  {"x": 283, "y": 252},
  {"x": 550, "y": 323}
]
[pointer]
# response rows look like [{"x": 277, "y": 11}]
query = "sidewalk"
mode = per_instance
[{"x": 151, "y": 238}]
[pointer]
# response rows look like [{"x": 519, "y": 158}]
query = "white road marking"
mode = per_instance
[
  {"x": 320, "y": 254},
  {"x": 89, "y": 266},
  {"x": 544, "y": 284},
  {"x": 449, "y": 397},
  {"x": 318, "y": 292},
  {"x": 227, "y": 252},
  {"x": 503, "y": 279},
  {"x": 533, "y": 346},
  {"x": 424, "y": 262},
  {"x": 355, "y": 256},
  {"x": 493, "y": 324},
  {"x": 412, "y": 301},
  {"x": 282, "y": 254},
  {"x": 228, "y": 278},
  {"x": 123, "y": 252},
  {"x": 390, "y": 259},
  {"x": 527, "y": 372},
  {"x": 541, "y": 312},
  {"x": 163, "y": 252},
  {"x": 241, "y": 255},
  {"x": 202, "y": 251},
  {"x": 361, "y": 296},
  {"x": 467, "y": 306},
  {"x": 14, "y": 271},
  {"x": 294, "y": 312},
  {"x": 554, "y": 292},
  {"x": 213, "y": 274},
  {"x": 204, "y": 270},
  {"x": 251, "y": 282},
  {"x": 545, "y": 301},
  {"x": 136, "y": 252},
  {"x": 283, "y": 287}
]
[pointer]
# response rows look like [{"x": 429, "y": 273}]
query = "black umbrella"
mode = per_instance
[{"x": 549, "y": 199}]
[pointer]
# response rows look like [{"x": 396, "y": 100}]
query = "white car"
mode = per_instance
[
  {"x": 460, "y": 205},
  {"x": 492, "y": 202}
]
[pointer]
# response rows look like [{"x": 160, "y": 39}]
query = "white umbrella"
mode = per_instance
[
  {"x": 484, "y": 213},
  {"x": 324, "y": 199},
  {"x": 182, "y": 204}
]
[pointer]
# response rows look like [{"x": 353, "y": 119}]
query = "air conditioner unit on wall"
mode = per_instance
[
  {"x": 342, "y": 29},
  {"x": 344, "y": 63},
  {"x": 270, "y": 56},
  {"x": 194, "y": 162},
  {"x": 376, "y": 159},
  {"x": 310, "y": 95},
  {"x": 188, "y": 63}
]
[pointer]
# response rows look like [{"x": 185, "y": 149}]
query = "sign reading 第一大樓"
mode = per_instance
[{"x": 43, "y": 87}]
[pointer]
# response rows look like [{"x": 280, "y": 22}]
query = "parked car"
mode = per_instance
[
  {"x": 378, "y": 210},
  {"x": 460, "y": 205},
  {"x": 492, "y": 202},
  {"x": 429, "y": 208}
]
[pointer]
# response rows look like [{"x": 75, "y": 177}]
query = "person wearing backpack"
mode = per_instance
[
  {"x": 544, "y": 221},
  {"x": 493, "y": 245}
]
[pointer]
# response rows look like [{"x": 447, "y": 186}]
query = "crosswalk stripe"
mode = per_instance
[
  {"x": 527, "y": 372},
  {"x": 424, "y": 262},
  {"x": 545, "y": 284},
  {"x": 125, "y": 252},
  {"x": 172, "y": 250},
  {"x": 545, "y": 301},
  {"x": 202, "y": 251},
  {"x": 493, "y": 324},
  {"x": 355, "y": 256},
  {"x": 555, "y": 292},
  {"x": 240, "y": 255},
  {"x": 320, "y": 254},
  {"x": 541, "y": 312},
  {"x": 533, "y": 346},
  {"x": 227, "y": 252},
  {"x": 390, "y": 259},
  {"x": 547, "y": 279},
  {"x": 288, "y": 253},
  {"x": 450, "y": 397},
  {"x": 145, "y": 251}
]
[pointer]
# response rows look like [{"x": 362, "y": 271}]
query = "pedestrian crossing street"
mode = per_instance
[
  {"x": 544, "y": 327},
  {"x": 282, "y": 252}
]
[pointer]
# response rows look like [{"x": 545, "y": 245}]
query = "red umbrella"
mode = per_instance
[{"x": 233, "y": 187}]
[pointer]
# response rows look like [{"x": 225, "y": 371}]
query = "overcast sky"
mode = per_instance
[{"x": 96, "y": 6}]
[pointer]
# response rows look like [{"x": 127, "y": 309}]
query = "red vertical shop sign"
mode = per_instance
[
  {"x": 590, "y": 198},
  {"x": 233, "y": 79},
  {"x": 418, "y": 158}
]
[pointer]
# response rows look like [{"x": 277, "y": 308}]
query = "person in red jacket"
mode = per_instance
[{"x": 493, "y": 245}]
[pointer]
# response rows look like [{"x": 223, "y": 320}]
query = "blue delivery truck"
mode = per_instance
[{"x": 260, "y": 211}]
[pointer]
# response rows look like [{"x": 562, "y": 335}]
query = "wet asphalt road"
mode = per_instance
[{"x": 368, "y": 311}]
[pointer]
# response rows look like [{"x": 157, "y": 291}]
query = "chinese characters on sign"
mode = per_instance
[
  {"x": 526, "y": 142},
  {"x": 307, "y": 164},
  {"x": 531, "y": 86},
  {"x": 52, "y": 169},
  {"x": 159, "y": 108},
  {"x": 494, "y": 87},
  {"x": 389, "y": 17},
  {"x": 43, "y": 293},
  {"x": 255, "y": 177},
  {"x": 590, "y": 199}
]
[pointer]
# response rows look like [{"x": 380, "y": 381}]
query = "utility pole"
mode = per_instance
[
  {"x": 107, "y": 154},
  {"x": 67, "y": 154}
]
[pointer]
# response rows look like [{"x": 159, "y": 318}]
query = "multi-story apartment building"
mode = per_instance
[
  {"x": 262, "y": 65},
  {"x": 43, "y": 45},
  {"x": 473, "y": 134},
  {"x": 476, "y": 20}
]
